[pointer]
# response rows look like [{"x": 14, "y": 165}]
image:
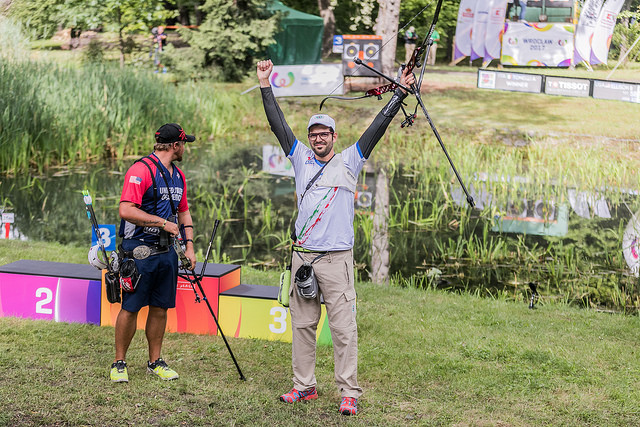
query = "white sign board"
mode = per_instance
[
  {"x": 305, "y": 80},
  {"x": 275, "y": 162},
  {"x": 338, "y": 44},
  {"x": 8, "y": 218},
  {"x": 567, "y": 86},
  {"x": 505, "y": 80}
]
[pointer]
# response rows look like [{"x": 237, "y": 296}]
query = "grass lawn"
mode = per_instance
[{"x": 425, "y": 357}]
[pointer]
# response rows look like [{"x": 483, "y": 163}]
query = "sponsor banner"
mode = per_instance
[
  {"x": 603, "y": 31},
  {"x": 567, "y": 86},
  {"x": 584, "y": 30},
  {"x": 495, "y": 29},
  {"x": 304, "y": 80},
  {"x": 516, "y": 82},
  {"x": 620, "y": 91},
  {"x": 479, "y": 29},
  {"x": 539, "y": 44},
  {"x": 463, "y": 29},
  {"x": 275, "y": 162}
]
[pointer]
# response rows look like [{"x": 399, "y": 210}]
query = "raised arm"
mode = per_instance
[
  {"x": 278, "y": 124},
  {"x": 378, "y": 127}
]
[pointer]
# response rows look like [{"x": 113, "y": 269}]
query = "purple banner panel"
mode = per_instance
[{"x": 50, "y": 298}]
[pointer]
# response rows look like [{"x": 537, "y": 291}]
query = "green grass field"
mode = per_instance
[{"x": 425, "y": 358}]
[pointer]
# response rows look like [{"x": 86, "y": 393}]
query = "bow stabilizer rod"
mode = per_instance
[{"x": 198, "y": 281}]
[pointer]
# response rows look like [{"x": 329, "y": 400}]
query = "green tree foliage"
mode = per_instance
[
  {"x": 40, "y": 18},
  {"x": 626, "y": 33},
  {"x": 352, "y": 16},
  {"x": 359, "y": 16},
  {"x": 232, "y": 36},
  {"x": 123, "y": 16},
  {"x": 446, "y": 21}
]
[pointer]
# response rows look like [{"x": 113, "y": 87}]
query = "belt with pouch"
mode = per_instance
[
  {"x": 144, "y": 251},
  {"x": 309, "y": 251}
]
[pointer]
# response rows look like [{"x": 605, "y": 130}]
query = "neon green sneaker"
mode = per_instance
[
  {"x": 119, "y": 372},
  {"x": 160, "y": 368}
]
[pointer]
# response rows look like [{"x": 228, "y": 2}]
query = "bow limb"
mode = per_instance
[
  {"x": 426, "y": 44},
  {"x": 345, "y": 98}
]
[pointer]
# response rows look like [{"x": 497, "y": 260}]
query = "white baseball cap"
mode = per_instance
[{"x": 322, "y": 119}]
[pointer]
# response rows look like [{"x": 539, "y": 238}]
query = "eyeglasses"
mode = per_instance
[{"x": 321, "y": 135}]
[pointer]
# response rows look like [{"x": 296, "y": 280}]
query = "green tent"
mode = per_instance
[{"x": 300, "y": 38}]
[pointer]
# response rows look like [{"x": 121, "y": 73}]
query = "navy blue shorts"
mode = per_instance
[{"x": 158, "y": 280}]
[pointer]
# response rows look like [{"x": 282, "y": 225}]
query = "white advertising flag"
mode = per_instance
[
  {"x": 463, "y": 29},
  {"x": 479, "y": 29},
  {"x": 495, "y": 29},
  {"x": 604, "y": 30},
  {"x": 584, "y": 31}
]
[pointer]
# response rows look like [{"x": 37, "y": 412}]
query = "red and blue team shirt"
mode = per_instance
[{"x": 138, "y": 189}]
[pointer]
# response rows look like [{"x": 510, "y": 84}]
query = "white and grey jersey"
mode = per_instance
[{"x": 325, "y": 214}]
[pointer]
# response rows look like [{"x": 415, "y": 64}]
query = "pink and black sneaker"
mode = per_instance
[
  {"x": 297, "y": 395},
  {"x": 348, "y": 406}
]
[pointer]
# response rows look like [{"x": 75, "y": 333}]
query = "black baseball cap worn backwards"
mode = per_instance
[{"x": 172, "y": 132}]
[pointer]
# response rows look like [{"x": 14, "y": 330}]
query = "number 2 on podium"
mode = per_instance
[{"x": 48, "y": 297}]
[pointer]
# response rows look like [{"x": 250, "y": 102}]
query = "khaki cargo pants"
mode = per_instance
[{"x": 334, "y": 273}]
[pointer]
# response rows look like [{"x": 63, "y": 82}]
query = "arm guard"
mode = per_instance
[
  {"x": 278, "y": 124},
  {"x": 378, "y": 127}
]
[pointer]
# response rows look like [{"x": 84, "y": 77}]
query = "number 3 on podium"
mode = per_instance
[{"x": 279, "y": 325}]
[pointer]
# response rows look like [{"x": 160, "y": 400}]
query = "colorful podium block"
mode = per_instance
[
  {"x": 75, "y": 293},
  {"x": 188, "y": 315},
  {"x": 252, "y": 311},
  {"x": 50, "y": 290}
]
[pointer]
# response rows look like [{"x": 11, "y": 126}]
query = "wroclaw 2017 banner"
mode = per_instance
[
  {"x": 540, "y": 44},
  {"x": 463, "y": 29},
  {"x": 604, "y": 30}
]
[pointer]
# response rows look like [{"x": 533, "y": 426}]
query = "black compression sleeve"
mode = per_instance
[
  {"x": 278, "y": 124},
  {"x": 378, "y": 127}
]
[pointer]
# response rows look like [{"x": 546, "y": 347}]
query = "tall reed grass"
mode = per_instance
[{"x": 52, "y": 115}]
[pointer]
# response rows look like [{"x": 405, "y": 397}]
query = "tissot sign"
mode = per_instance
[{"x": 567, "y": 87}]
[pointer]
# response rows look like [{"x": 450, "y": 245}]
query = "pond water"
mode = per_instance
[{"x": 572, "y": 244}]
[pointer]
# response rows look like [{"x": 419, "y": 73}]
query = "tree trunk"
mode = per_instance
[
  {"x": 121, "y": 40},
  {"x": 199, "y": 15},
  {"x": 183, "y": 15},
  {"x": 387, "y": 27},
  {"x": 326, "y": 12},
  {"x": 380, "y": 237}
]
